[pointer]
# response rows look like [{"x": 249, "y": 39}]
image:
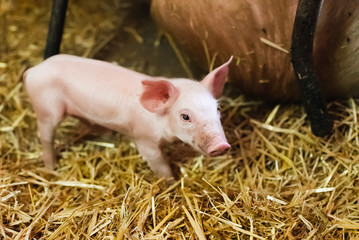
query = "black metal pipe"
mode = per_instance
[
  {"x": 56, "y": 27},
  {"x": 302, "y": 60}
]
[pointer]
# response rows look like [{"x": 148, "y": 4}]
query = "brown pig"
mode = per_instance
[
  {"x": 258, "y": 34},
  {"x": 148, "y": 109}
]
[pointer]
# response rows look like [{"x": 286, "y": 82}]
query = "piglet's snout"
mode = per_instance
[{"x": 218, "y": 149}]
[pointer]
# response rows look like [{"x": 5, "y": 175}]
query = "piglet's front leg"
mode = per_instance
[{"x": 152, "y": 153}]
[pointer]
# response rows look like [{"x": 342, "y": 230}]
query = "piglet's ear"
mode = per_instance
[
  {"x": 158, "y": 96},
  {"x": 216, "y": 79}
]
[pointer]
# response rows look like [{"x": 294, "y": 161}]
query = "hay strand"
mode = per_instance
[{"x": 273, "y": 45}]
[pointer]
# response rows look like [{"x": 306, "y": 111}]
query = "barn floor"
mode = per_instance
[{"x": 279, "y": 181}]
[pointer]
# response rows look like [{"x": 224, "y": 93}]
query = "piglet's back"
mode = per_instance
[
  {"x": 69, "y": 67},
  {"x": 85, "y": 88}
]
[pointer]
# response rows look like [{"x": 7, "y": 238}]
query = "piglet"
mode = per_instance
[{"x": 148, "y": 109}]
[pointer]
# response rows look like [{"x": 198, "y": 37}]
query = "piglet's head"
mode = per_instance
[{"x": 191, "y": 109}]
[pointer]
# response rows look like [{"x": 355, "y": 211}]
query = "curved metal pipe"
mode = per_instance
[{"x": 302, "y": 60}]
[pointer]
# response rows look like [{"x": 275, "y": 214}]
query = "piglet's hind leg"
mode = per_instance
[{"x": 47, "y": 135}]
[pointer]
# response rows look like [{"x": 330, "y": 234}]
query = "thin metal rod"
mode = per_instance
[
  {"x": 302, "y": 60},
  {"x": 56, "y": 27}
]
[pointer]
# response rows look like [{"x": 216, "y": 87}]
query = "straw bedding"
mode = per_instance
[{"x": 278, "y": 182}]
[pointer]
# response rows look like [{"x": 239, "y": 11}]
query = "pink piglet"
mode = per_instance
[{"x": 148, "y": 109}]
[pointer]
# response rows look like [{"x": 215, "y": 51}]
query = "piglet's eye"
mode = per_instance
[{"x": 185, "y": 117}]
